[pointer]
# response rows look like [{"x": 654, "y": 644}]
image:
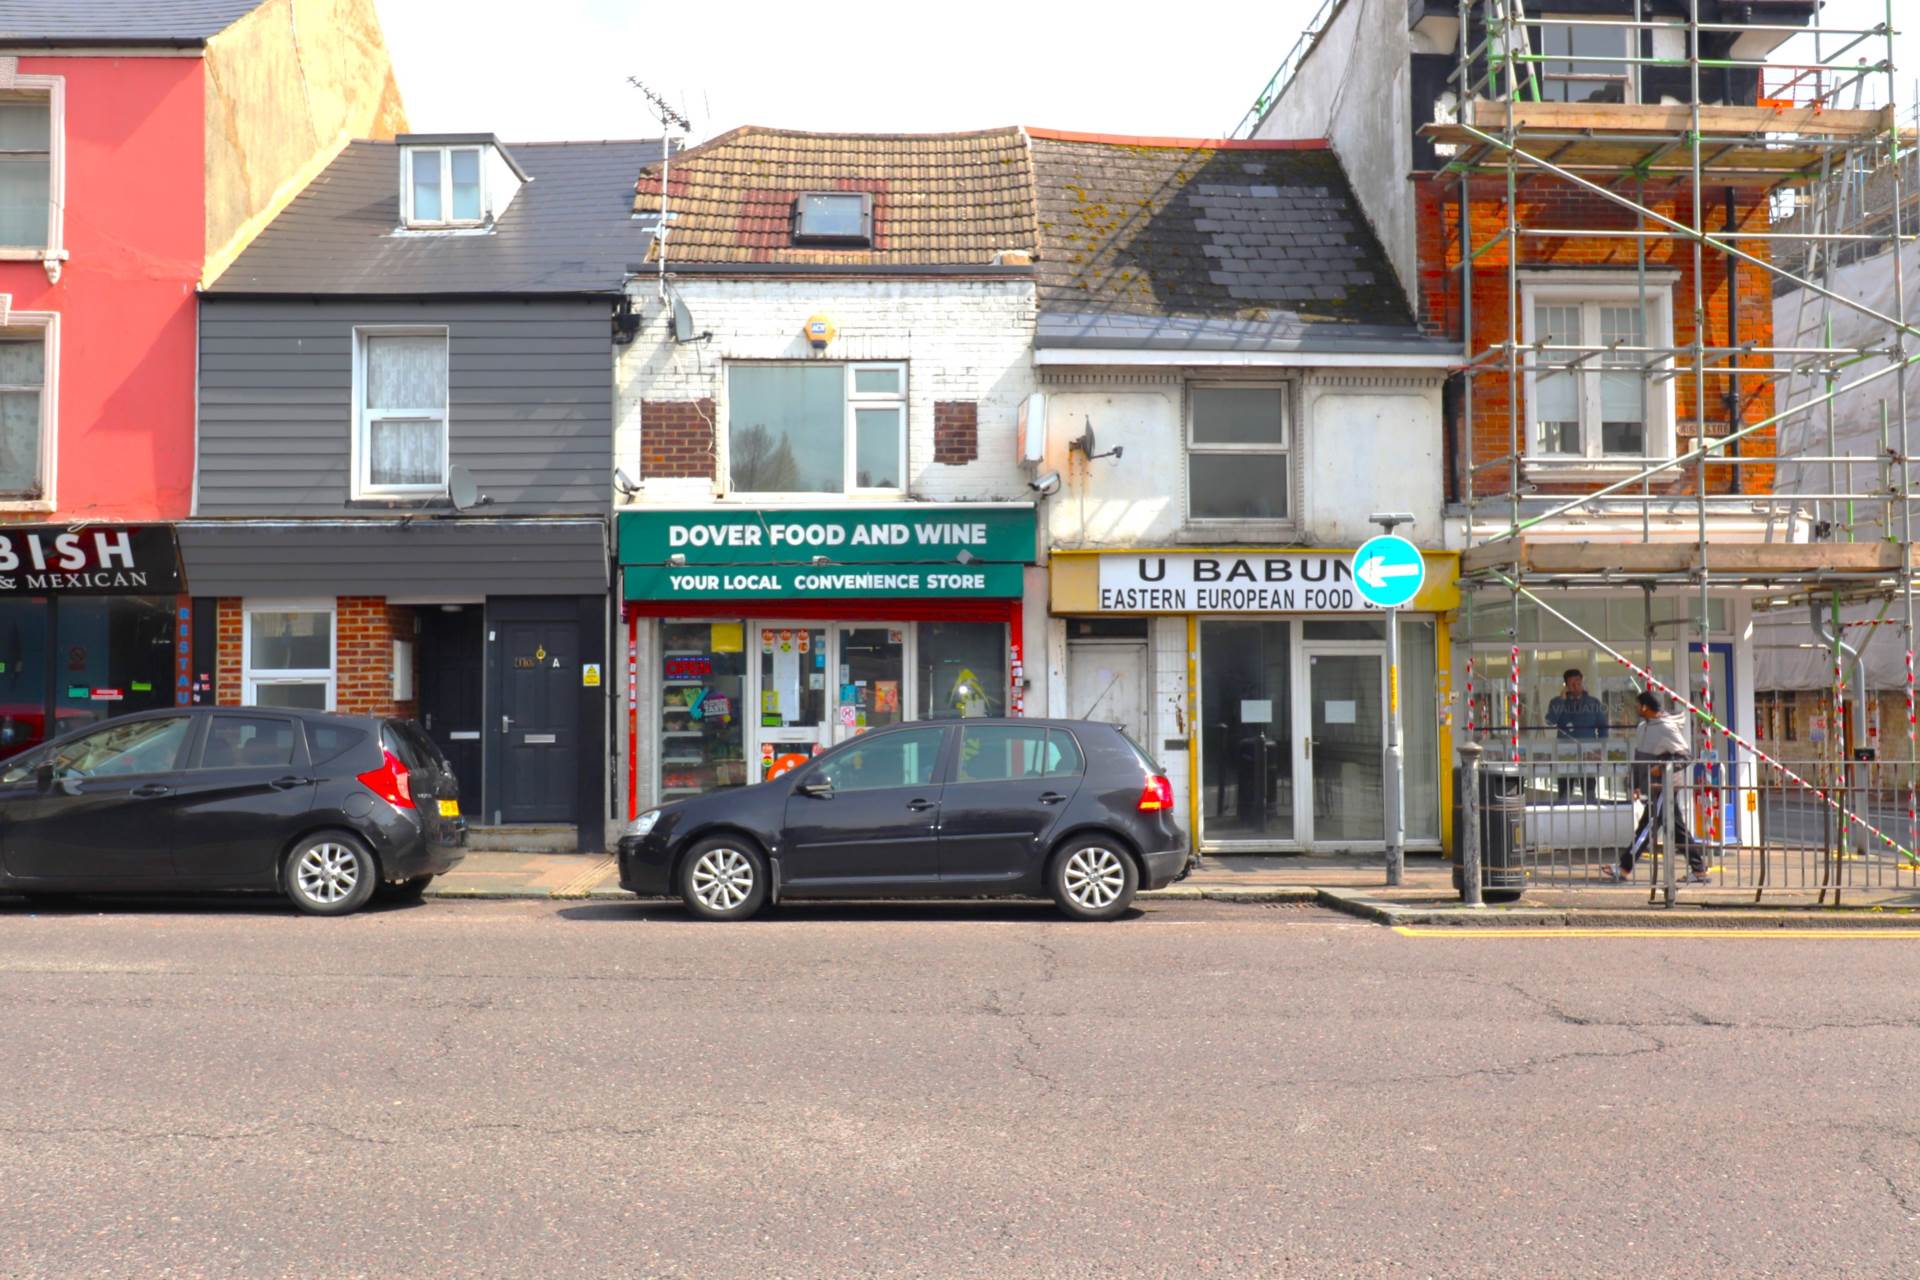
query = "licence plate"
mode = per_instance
[{"x": 449, "y": 808}]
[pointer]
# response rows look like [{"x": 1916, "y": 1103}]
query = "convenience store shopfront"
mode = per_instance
[
  {"x": 758, "y": 637},
  {"x": 1266, "y": 686}
]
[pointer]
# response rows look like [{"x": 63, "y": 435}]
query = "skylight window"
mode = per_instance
[{"x": 833, "y": 217}]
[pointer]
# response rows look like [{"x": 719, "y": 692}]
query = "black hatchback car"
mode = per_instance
[
  {"x": 327, "y": 809},
  {"x": 1066, "y": 808}
]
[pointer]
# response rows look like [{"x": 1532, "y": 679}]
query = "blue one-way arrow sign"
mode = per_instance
[{"x": 1389, "y": 571}]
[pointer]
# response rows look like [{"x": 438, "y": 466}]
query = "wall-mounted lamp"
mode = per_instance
[
  {"x": 965, "y": 557},
  {"x": 678, "y": 559}
]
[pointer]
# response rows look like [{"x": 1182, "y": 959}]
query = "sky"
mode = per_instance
[{"x": 1186, "y": 69}]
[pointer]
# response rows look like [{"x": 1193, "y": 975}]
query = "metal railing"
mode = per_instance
[{"x": 1819, "y": 828}]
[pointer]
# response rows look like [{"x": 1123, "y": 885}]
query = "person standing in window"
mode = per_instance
[{"x": 1579, "y": 717}]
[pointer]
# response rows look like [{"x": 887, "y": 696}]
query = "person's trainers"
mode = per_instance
[
  {"x": 1615, "y": 874},
  {"x": 1698, "y": 877}
]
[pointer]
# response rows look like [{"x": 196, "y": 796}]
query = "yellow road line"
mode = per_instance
[{"x": 1836, "y": 933}]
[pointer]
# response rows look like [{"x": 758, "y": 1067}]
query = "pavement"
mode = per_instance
[
  {"x": 1354, "y": 885},
  {"x": 583, "y": 1088}
]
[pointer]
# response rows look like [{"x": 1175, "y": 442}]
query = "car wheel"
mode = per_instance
[
  {"x": 1093, "y": 879},
  {"x": 330, "y": 874},
  {"x": 723, "y": 879},
  {"x": 411, "y": 890}
]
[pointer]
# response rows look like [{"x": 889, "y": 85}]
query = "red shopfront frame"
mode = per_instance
[{"x": 1006, "y": 610}]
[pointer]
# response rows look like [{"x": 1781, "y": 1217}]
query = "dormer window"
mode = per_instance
[
  {"x": 455, "y": 181},
  {"x": 833, "y": 217},
  {"x": 444, "y": 183}
]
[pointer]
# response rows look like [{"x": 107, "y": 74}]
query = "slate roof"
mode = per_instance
[
  {"x": 569, "y": 230},
  {"x": 119, "y": 21},
  {"x": 1260, "y": 232},
  {"x": 948, "y": 199}
]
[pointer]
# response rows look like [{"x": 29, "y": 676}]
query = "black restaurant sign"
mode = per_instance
[{"x": 89, "y": 559}]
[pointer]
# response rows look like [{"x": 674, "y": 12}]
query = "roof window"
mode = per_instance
[
  {"x": 455, "y": 180},
  {"x": 833, "y": 217}
]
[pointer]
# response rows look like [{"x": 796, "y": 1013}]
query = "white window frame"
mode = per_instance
[
  {"x": 445, "y": 153},
  {"x": 850, "y": 400},
  {"x": 48, "y": 324},
  {"x": 1287, "y": 448},
  {"x": 252, "y": 678},
  {"x": 1629, "y": 71},
  {"x": 54, "y": 89},
  {"x": 1591, "y": 291},
  {"x": 364, "y": 416}
]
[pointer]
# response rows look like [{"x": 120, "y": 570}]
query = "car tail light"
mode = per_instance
[
  {"x": 1157, "y": 794},
  {"x": 391, "y": 781}
]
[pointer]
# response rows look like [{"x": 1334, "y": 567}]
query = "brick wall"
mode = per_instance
[
  {"x": 962, "y": 340},
  {"x": 676, "y": 439},
  {"x": 956, "y": 432},
  {"x": 1544, "y": 203},
  {"x": 365, "y": 628}
]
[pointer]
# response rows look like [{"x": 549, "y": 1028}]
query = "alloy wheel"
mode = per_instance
[
  {"x": 1094, "y": 878},
  {"x": 328, "y": 873},
  {"x": 722, "y": 879}
]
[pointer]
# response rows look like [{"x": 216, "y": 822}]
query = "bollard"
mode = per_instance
[
  {"x": 1669, "y": 807},
  {"x": 1469, "y": 836}
]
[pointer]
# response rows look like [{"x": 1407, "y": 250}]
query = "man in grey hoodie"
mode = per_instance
[{"x": 1659, "y": 740}]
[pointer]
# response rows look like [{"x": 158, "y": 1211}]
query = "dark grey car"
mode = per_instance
[{"x": 1070, "y": 809}]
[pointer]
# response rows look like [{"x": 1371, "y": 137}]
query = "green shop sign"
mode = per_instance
[
  {"x": 821, "y": 582},
  {"x": 905, "y": 534}
]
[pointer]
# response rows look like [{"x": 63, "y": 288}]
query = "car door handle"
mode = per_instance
[
  {"x": 920, "y": 806},
  {"x": 282, "y": 784},
  {"x": 150, "y": 790},
  {"x": 1051, "y": 797}
]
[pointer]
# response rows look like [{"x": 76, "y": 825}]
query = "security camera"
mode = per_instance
[
  {"x": 624, "y": 482},
  {"x": 1045, "y": 484}
]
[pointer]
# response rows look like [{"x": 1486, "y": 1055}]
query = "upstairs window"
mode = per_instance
[
  {"x": 817, "y": 428},
  {"x": 23, "y": 427},
  {"x": 1239, "y": 463},
  {"x": 1584, "y": 62},
  {"x": 26, "y": 172},
  {"x": 833, "y": 217},
  {"x": 1590, "y": 393},
  {"x": 401, "y": 436},
  {"x": 443, "y": 187}
]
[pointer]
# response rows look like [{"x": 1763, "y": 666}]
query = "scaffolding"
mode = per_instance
[{"x": 1552, "y": 512}]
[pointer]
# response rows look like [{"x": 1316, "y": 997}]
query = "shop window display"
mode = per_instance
[
  {"x": 962, "y": 670},
  {"x": 702, "y": 725}
]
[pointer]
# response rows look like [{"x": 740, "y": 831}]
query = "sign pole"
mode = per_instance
[
  {"x": 1388, "y": 572},
  {"x": 1395, "y": 772}
]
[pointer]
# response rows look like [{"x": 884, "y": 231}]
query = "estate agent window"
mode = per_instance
[
  {"x": 401, "y": 436},
  {"x": 817, "y": 428},
  {"x": 1238, "y": 460},
  {"x": 289, "y": 655},
  {"x": 1590, "y": 391}
]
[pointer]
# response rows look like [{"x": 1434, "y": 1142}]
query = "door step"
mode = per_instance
[{"x": 530, "y": 837}]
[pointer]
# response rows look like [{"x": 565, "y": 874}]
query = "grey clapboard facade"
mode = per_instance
[
  {"x": 490, "y": 617},
  {"x": 529, "y": 411}
]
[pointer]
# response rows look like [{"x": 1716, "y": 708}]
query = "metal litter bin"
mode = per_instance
[{"x": 1503, "y": 813}]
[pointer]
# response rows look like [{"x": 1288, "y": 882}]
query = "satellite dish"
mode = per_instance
[
  {"x": 461, "y": 488},
  {"x": 1085, "y": 443},
  {"x": 682, "y": 322}
]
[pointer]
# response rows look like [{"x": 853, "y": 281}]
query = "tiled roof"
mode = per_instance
[
  {"x": 568, "y": 230},
  {"x": 951, "y": 199},
  {"x": 1254, "y": 231},
  {"x": 121, "y": 21}
]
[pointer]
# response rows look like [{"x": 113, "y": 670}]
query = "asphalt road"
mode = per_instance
[{"x": 601, "y": 1089}]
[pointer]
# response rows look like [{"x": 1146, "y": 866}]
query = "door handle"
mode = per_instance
[
  {"x": 1051, "y": 797},
  {"x": 506, "y": 724},
  {"x": 282, "y": 784},
  {"x": 1308, "y": 742},
  {"x": 151, "y": 790},
  {"x": 919, "y": 806}
]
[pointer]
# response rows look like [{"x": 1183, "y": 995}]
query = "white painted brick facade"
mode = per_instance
[{"x": 961, "y": 339}]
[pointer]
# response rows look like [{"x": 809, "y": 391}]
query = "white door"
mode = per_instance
[
  {"x": 1344, "y": 745},
  {"x": 1107, "y": 681}
]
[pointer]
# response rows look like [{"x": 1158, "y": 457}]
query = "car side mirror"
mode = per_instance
[
  {"x": 43, "y": 777},
  {"x": 819, "y": 789}
]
